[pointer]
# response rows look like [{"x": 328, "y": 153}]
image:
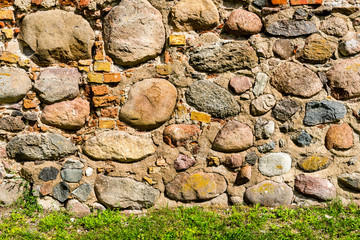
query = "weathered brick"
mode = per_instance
[
  {"x": 9, "y": 57},
  {"x": 84, "y": 68},
  {"x": 28, "y": 104},
  {"x": 86, "y": 62},
  {"x": 102, "y": 66},
  {"x": 104, "y": 101},
  {"x": 201, "y": 117},
  {"x": 99, "y": 51},
  {"x": 163, "y": 69},
  {"x": 112, "y": 77},
  {"x": 100, "y": 90},
  {"x": 103, "y": 123},
  {"x": 279, "y": 2},
  {"x": 6, "y": 3},
  {"x": 306, "y": 2},
  {"x": 6, "y": 14},
  {"x": 177, "y": 40},
  {"x": 95, "y": 77},
  {"x": 109, "y": 112}
]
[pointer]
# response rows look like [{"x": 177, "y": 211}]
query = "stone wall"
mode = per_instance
[{"x": 134, "y": 103}]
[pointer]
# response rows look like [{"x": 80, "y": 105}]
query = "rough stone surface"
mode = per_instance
[
  {"x": 10, "y": 191},
  {"x": 270, "y": 194},
  {"x": 291, "y": 28},
  {"x": 48, "y": 173},
  {"x": 302, "y": 139},
  {"x": 82, "y": 192},
  {"x": 294, "y": 79},
  {"x": 264, "y": 129},
  {"x": 71, "y": 175},
  {"x": 233, "y": 137},
  {"x": 120, "y": 146},
  {"x": 61, "y": 192},
  {"x": 49, "y": 204},
  {"x": 210, "y": 98},
  {"x": 314, "y": 163},
  {"x": 133, "y": 32},
  {"x": 285, "y": 109},
  {"x": 251, "y": 158},
  {"x": 283, "y": 48},
  {"x": 350, "y": 44},
  {"x": 241, "y": 22},
  {"x": 319, "y": 112},
  {"x": 178, "y": 135},
  {"x": 12, "y": 124},
  {"x": 319, "y": 188},
  {"x": 229, "y": 56},
  {"x": 196, "y": 186},
  {"x": 14, "y": 84},
  {"x": 267, "y": 147},
  {"x": 317, "y": 49},
  {"x": 261, "y": 81},
  {"x": 240, "y": 84},
  {"x": 183, "y": 162},
  {"x": 189, "y": 15},
  {"x": 151, "y": 102},
  {"x": 350, "y": 180},
  {"x": 56, "y": 36},
  {"x": 77, "y": 208},
  {"x": 233, "y": 161},
  {"x": 67, "y": 115},
  {"x": 58, "y": 84},
  {"x": 274, "y": 164},
  {"x": 39, "y": 146},
  {"x": 339, "y": 137},
  {"x": 117, "y": 192},
  {"x": 344, "y": 79},
  {"x": 334, "y": 26},
  {"x": 244, "y": 176},
  {"x": 262, "y": 104}
]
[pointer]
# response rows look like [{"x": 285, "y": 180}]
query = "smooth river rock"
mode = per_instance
[
  {"x": 177, "y": 135},
  {"x": 339, "y": 137},
  {"x": 275, "y": 164},
  {"x": 14, "y": 84},
  {"x": 314, "y": 163},
  {"x": 241, "y": 22}
]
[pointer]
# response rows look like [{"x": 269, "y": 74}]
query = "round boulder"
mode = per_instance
[{"x": 14, "y": 84}]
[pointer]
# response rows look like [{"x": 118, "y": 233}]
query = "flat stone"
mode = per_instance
[
  {"x": 233, "y": 137},
  {"x": 350, "y": 44},
  {"x": 119, "y": 146},
  {"x": 229, "y": 56},
  {"x": 48, "y": 174},
  {"x": 11, "y": 190},
  {"x": 334, "y": 26},
  {"x": 270, "y": 194},
  {"x": 275, "y": 164},
  {"x": 39, "y": 146},
  {"x": 14, "y": 84},
  {"x": 196, "y": 186},
  {"x": 283, "y": 48},
  {"x": 151, "y": 103},
  {"x": 241, "y": 22},
  {"x": 291, "y": 28},
  {"x": 57, "y": 84},
  {"x": 177, "y": 135},
  {"x": 318, "y": 188},
  {"x": 77, "y": 208},
  {"x": 264, "y": 129},
  {"x": 49, "y": 204},
  {"x": 244, "y": 176},
  {"x": 339, "y": 137},
  {"x": 71, "y": 175},
  {"x": 56, "y": 36},
  {"x": 302, "y": 139},
  {"x": 73, "y": 164},
  {"x": 189, "y": 15},
  {"x": 261, "y": 82},
  {"x": 61, "y": 192},
  {"x": 117, "y": 192},
  {"x": 319, "y": 112},
  {"x": 251, "y": 158},
  {"x": 267, "y": 147},
  {"x": 240, "y": 84},
  {"x": 317, "y": 49},
  {"x": 294, "y": 79},
  {"x": 82, "y": 192},
  {"x": 350, "y": 180},
  {"x": 344, "y": 79},
  {"x": 46, "y": 188},
  {"x": 133, "y": 32},
  {"x": 233, "y": 161},
  {"x": 314, "y": 163},
  {"x": 70, "y": 115},
  {"x": 12, "y": 124},
  {"x": 285, "y": 109},
  {"x": 262, "y": 104},
  {"x": 183, "y": 162},
  {"x": 208, "y": 97}
]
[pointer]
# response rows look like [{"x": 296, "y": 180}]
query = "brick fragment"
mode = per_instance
[
  {"x": 9, "y": 57},
  {"x": 102, "y": 66},
  {"x": 112, "y": 77},
  {"x": 105, "y": 101},
  {"x": 95, "y": 77},
  {"x": 306, "y": 2},
  {"x": 100, "y": 90},
  {"x": 177, "y": 40},
  {"x": 106, "y": 123},
  {"x": 201, "y": 117}
]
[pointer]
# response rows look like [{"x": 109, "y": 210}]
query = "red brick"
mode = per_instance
[
  {"x": 109, "y": 112},
  {"x": 100, "y": 90},
  {"x": 112, "y": 77},
  {"x": 279, "y": 2},
  {"x": 306, "y": 2},
  {"x": 105, "y": 101}
]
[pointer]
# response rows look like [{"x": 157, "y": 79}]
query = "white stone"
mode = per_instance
[
  {"x": 274, "y": 164},
  {"x": 89, "y": 171}
]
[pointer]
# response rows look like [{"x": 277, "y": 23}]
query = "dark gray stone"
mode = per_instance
[
  {"x": 82, "y": 192},
  {"x": 71, "y": 175},
  {"x": 267, "y": 147},
  {"x": 229, "y": 56},
  {"x": 61, "y": 192},
  {"x": 291, "y": 28},
  {"x": 323, "y": 112},
  {"x": 12, "y": 124},
  {"x": 16, "y": 113},
  {"x": 48, "y": 173},
  {"x": 210, "y": 98},
  {"x": 251, "y": 158},
  {"x": 285, "y": 109},
  {"x": 302, "y": 139},
  {"x": 259, "y": 3},
  {"x": 39, "y": 146}
]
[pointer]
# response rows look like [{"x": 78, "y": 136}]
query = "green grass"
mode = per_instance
[{"x": 239, "y": 222}]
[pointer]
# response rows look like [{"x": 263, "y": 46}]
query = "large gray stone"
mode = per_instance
[
  {"x": 14, "y": 84},
  {"x": 82, "y": 192},
  {"x": 291, "y": 28},
  {"x": 72, "y": 171},
  {"x": 56, "y": 36},
  {"x": 229, "y": 56},
  {"x": 117, "y": 192},
  {"x": 133, "y": 32},
  {"x": 58, "y": 84},
  {"x": 274, "y": 164},
  {"x": 210, "y": 98},
  {"x": 39, "y": 146},
  {"x": 319, "y": 112},
  {"x": 120, "y": 146}
]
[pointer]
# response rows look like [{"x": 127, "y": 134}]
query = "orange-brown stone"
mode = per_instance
[{"x": 339, "y": 137}]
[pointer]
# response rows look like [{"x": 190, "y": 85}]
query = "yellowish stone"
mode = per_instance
[
  {"x": 106, "y": 123},
  {"x": 95, "y": 77},
  {"x": 163, "y": 69},
  {"x": 102, "y": 66},
  {"x": 177, "y": 40},
  {"x": 9, "y": 33},
  {"x": 9, "y": 57},
  {"x": 201, "y": 117}
]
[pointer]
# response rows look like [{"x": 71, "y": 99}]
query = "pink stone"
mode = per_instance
[
  {"x": 240, "y": 84},
  {"x": 77, "y": 208},
  {"x": 183, "y": 162},
  {"x": 177, "y": 135},
  {"x": 234, "y": 161},
  {"x": 241, "y": 22},
  {"x": 319, "y": 188}
]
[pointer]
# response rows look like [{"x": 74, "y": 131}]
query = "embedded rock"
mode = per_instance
[
  {"x": 285, "y": 109},
  {"x": 72, "y": 171},
  {"x": 270, "y": 194},
  {"x": 291, "y": 28},
  {"x": 12, "y": 124},
  {"x": 56, "y": 36},
  {"x": 118, "y": 192},
  {"x": 196, "y": 186},
  {"x": 350, "y": 44},
  {"x": 283, "y": 48},
  {"x": 48, "y": 174},
  {"x": 264, "y": 129},
  {"x": 240, "y": 84},
  {"x": 262, "y": 104},
  {"x": 208, "y": 97},
  {"x": 189, "y": 15},
  {"x": 229, "y": 56},
  {"x": 67, "y": 115},
  {"x": 82, "y": 192},
  {"x": 183, "y": 162},
  {"x": 302, "y": 139},
  {"x": 119, "y": 146},
  {"x": 11, "y": 190},
  {"x": 319, "y": 112},
  {"x": 274, "y": 164},
  {"x": 233, "y": 137},
  {"x": 14, "y": 84},
  {"x": 317, "y": 49},
  {"x": 244, "y": 176},
  {"x": 267, "y": 147},
  {"x": 241, "y": 22},
  {"x": 133, "y": 32},
  {"x": 58, "y": 84},
  {"x": 77, "y": 208},
  {"x": 233, "y": 161},
  {"x": 339, "y": 137},
  {"x": 39, "y": 146},
  {"x": 61, "y": 191},
  {"x": 334, "y": 26},
  {"x": 151, "y": 103},
  {"x": 251, "y": 158},
  {"x": 350, "y": 180},
  {"x": 178, "y": 135},
  {"x": 314, "y": 163},
  {"x": 319, "y": 188},
  {"x": 294, "y": 79}
]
